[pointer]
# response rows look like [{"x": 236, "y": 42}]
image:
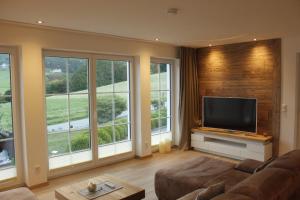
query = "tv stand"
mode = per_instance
[{"x": 233, "y": 144}]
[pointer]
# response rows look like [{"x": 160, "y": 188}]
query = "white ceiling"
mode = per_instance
[{"x": 198, "y": 22}]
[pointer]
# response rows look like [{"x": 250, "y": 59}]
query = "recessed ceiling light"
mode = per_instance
[
  {"x": 156, "y": 39},
  {"x": 172, "y": 11},
  {"x": 210, "y": 45},
  {"x": 254, "y": 39},
  {"x": 39, "y": 22}
]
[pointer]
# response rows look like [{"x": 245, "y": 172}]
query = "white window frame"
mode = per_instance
[
  {"x": 16, "y": 114},
  {"x": 95, "y": 161},
  {"x": 69, "y": 159},
  {"x": 131, "y": 110},
  {"x": 172, "y": 131}
]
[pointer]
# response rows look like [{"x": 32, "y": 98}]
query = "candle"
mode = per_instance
[
  {"x": 168, "y": 145},
  {"x": 162, "y": 146}
]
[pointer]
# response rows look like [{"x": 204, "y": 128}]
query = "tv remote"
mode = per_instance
[{"x": 111, "y": 185}]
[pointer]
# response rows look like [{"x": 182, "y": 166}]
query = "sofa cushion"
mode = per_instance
[
  {"x": 191, "y": 195},
  {"x": 289, "y": 161},
  {"x": 231, "y": 178},
  {"x": 176, "y": 181},
  {"x": 270, "y": 183},
  {"x": 17, "y": 194},
  {"x": 264, "y": 165},
  {"x": 248, "y": 165},
  {"x": 232, "y": 196},
  {"x": 211, "y": 191}
]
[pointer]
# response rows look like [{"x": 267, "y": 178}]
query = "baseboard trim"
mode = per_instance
[
  {"x": 38, "y": 185},
  {"x": 143, "y": 157}
]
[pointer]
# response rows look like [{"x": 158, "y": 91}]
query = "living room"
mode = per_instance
[{"x": 125, "y": 89}]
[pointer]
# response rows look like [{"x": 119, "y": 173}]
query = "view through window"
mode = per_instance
[
  {"x": 113, "y": 107},
  {"x": 160, "y": 101},
  {"x": 7, "y": 150},
  {"x": 68, "y": 118},
  {"x": 69, "y": 100}
]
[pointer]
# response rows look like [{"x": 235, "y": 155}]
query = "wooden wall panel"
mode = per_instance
[{"x": 249, "y": 69}]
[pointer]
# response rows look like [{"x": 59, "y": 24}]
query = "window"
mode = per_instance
[
  {"x": 68, "y": 110},
  {"x": 160, "y": 101},
  {"x": 7, "y": 116},
  {"x": 113, "y": 107},
  {"x": 78, "y": 86}
]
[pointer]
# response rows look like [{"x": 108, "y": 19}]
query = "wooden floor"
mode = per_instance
[{"x": 139, "y": 172}]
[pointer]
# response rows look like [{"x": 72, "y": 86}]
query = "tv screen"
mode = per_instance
[{"x": 230, "y": 113}]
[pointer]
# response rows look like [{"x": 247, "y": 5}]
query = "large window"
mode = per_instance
[
  {"x": 7, "y": 129},
  {"x": 113, "y": 107},
  {"x": 78, "y": 87},
  {"x": 68, "y": 118},
  {"x": 160, "y": 101}
]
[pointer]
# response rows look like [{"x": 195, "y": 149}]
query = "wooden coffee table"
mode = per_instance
[{"x": 128, "y": 192}]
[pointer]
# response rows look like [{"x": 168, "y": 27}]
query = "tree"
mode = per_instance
[
  {"x": 7, "y": 94},
  {"x": 6, "y": 97},
  {"x": 56, "y": 86},
  {"x": 79, "y": 80},
  {"x": 104, "y": 107},
  {"x": 155, "y": 104},
  {"x": 80, "y": 142}
]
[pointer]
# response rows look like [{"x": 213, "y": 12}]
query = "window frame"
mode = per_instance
[
  {"x": 16, "y": 114},
  {"x": 172, "y": 91},
  {"x": 66, "y": 54},
  {"x": 95, "y": 161},
  {"x": 130, "y": 103}
]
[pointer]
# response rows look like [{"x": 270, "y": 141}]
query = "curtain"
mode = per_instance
[{"x": 189, "y": 102}]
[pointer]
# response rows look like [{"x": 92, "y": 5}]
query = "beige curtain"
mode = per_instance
[{"x": 189, "y": 103}]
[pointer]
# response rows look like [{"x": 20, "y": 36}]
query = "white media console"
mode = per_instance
[{"x": 236, "y": 145}]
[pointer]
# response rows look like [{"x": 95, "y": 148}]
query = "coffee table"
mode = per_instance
[{"x": 128, "y": 192}]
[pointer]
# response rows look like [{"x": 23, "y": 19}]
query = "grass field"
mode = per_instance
[
  {"x": 59, "y": 141},
  {"x": 58, "y": 106},
  {"x": 4, "y": 80},
  {"x": 5, "y": 108}
]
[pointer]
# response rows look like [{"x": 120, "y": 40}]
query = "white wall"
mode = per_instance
[
  {"x": 289, "y": 122},
  {"x": 31, "y": 41}
]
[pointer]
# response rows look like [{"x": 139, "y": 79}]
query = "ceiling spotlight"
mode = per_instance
[
  {"x": 254, "y": 39},
  {"x": 210, "y": 45},
  {"x": 39, "y": 22},
  {"x": 172, "y": 11},
  {"x": 156, "y": 39}
]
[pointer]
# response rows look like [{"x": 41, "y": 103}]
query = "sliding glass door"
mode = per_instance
[
  {"x": 76, "y": 88},
  {"x": 68, "y": 118},
  {"x": 9, "y": 118},
  {"x": 113, "y": 107}
]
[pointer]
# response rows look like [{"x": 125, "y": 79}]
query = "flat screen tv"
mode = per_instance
[{"x": 232, "y": 113}]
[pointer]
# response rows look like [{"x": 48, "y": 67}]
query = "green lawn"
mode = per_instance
[
  {"x": 57, "y": 106},
  {"x": 4, "y": 80},
  {"x": 57, "y": 112},
  {"x": 59, "y": 142}
]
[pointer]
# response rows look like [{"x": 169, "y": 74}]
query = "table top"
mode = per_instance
[
  {"x": 235, "y": 134},
  {"x": 128, "y": 192}
]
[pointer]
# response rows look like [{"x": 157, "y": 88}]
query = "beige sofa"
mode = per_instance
[{"x": 21, "y": 193}]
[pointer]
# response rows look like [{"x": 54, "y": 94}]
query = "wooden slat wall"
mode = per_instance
[{"x": 251, "y": 69}]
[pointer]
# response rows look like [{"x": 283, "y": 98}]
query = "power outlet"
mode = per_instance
[
  {"x": 37, "y": 167},
  {"x": 283, "y": 108}
]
